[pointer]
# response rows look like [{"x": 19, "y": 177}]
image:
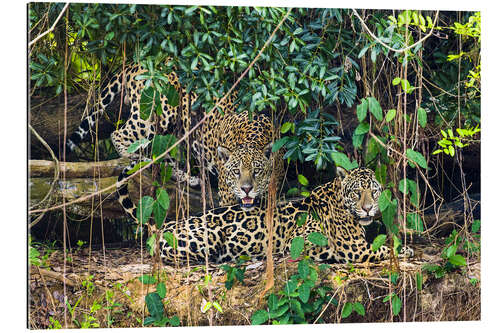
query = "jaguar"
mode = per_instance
[
  {"x": 338, "y": 209},
  {"x": 234, "y": 147}
]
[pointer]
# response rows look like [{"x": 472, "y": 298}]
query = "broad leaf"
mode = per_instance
[
  {"x": 317, "y": 238},
  {"x": 378, "y": 242},
  {"x": 416, "y": 157},
  {"x": 296, "y": 247}
]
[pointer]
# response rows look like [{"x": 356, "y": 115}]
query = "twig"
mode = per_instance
[
  {"x": 387, "y": 46},
  {"x": 51, "y": 28}
]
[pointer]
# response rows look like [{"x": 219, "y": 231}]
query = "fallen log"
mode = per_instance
[
  {"x": 43, "y": 168},
  {"x": 83, "y": 179}
]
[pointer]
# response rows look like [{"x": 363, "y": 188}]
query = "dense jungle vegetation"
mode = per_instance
[{"x": 398, "y": 91}]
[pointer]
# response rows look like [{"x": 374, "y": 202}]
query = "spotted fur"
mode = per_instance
[
  {"x": 336, "y": 209},
  {"x": 225, "y": 139}
]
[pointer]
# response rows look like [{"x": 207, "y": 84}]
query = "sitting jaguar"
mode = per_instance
[
  {"x": 235, "y": 148},
  {"x": 337, "y": 209}
]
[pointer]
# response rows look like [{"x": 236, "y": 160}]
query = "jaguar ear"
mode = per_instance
[
  {"x": 223, "y": 153},
  {"x": 341, "y": 172},
  {"x": 268, "y": 150}
]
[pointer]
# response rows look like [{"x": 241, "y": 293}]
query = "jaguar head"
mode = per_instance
[
  {"x": 247, "y": 172},
  {"x": 360, "y": 191}
]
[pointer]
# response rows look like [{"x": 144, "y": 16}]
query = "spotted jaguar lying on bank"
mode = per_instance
[
  {"x": 340, "y": 207},
  {"x": 233, "y": 147}
]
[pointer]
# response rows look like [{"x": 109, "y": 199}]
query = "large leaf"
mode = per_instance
[
  {"x": 304, "y": 292},
  {"x": 384, "y": 200},
  {"x": 375, "y": 108},
  {"x": 347, "y": 310},
  {"x": 144, "y": 209},
  {"x": 343, "y": 161},
  {"x": 150, "y": 101},
  {"x": 141, "y": 143},
  {"x": 317, "y": 238},
  {"x": 296, "y": 247},
  {"x": 359, "y": 308},
  {"x": 422, "y": 117},
  {"x": 457, "y": 260},
  {"x": 361, "y": 110},
  {"x": 416, "y": 157},
  {"x": 378, "y": 242}
]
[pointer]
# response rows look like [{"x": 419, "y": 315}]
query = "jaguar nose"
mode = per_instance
[
  {"x": 367, "y": 207},
  {"x": 246, "y": 188}
]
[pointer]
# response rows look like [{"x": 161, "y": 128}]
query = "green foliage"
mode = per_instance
[
  {"x": 349, "y": 307},
  {"x": 450, "y": 143},
  {"x": 236, "y": 272},
  {"x": 154, "y": 302},
  {"x": 312, "y": 139},
  {"x": 301, "y": 299},
  {"x": 463, "y": 241}
]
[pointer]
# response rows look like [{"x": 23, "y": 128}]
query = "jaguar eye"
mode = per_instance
[
  {"x": 257, "y": 171},
  {"x": 236, "y": 172}
]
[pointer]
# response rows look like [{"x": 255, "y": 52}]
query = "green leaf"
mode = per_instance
[
  {"x": 303, "y": 180},
  {"x": 416, "y": 157},
  {"x": 272, "y": 302},
  {"x": 384, "y": 200},
  {"x": 396, "y": 305},
  {"x": 304, "y": 292},
  {"x": 296, "y": 247},
  {"x": 147, "y": 279},
  {"x": 405, "y": 84},
  {"x": 217, "y": 306},
  {"x": 161, "y": 290},
  {"x": 357, "y": 140},
  {"x": 381, "y": 174},
  {"x": 286, "y": 127},
  {"x": 457, "y": 260},
  {"x": 174, "y": 321},
  {"x": 343, "y": 161},
  {"x": 418, "y": 280},
  {"x": 170, "y": 238},
  {"x": 278, "y": 144},
  {"x": 317, "y": 238},
  {"x": 206, "y": 307},
  {"x": 422, "y": 117},
  {"x": 144, "y": 209},
  {"x": 362, "y": 128},
  {"x": 359, "y": 308},
  {"x": 347, "y": 310},
  {"x": 141, "y": 143},
  {"x": 155, "y": 305},
  {"x": 137, "y": 167},
  {"x": 161, "y": 143},
  {"x": 378, "y": 242},
  {"x": 414, "y": 221},
  {"x": 396, "y": 81},
  {"x": 301, "y": 219},
  {"x": 281, "y": 310},
  {"x": 149, "y": 101},
  {"x": 388, "y": 216},
  {"x": 375, "y": 108},
  {"x": 390, "y": 115},
  {"x": 361, "y": 110},
  {"x": 159, "y": 214},
  {"x": 163, "y": 198},
  {"x": 172, "y": 96},
  {"x": 303, "y": 269}
]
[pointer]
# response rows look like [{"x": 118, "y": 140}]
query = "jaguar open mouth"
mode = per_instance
[
  {"x": 248, "y": 202},
  {"x": 366, "y": 220}
]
